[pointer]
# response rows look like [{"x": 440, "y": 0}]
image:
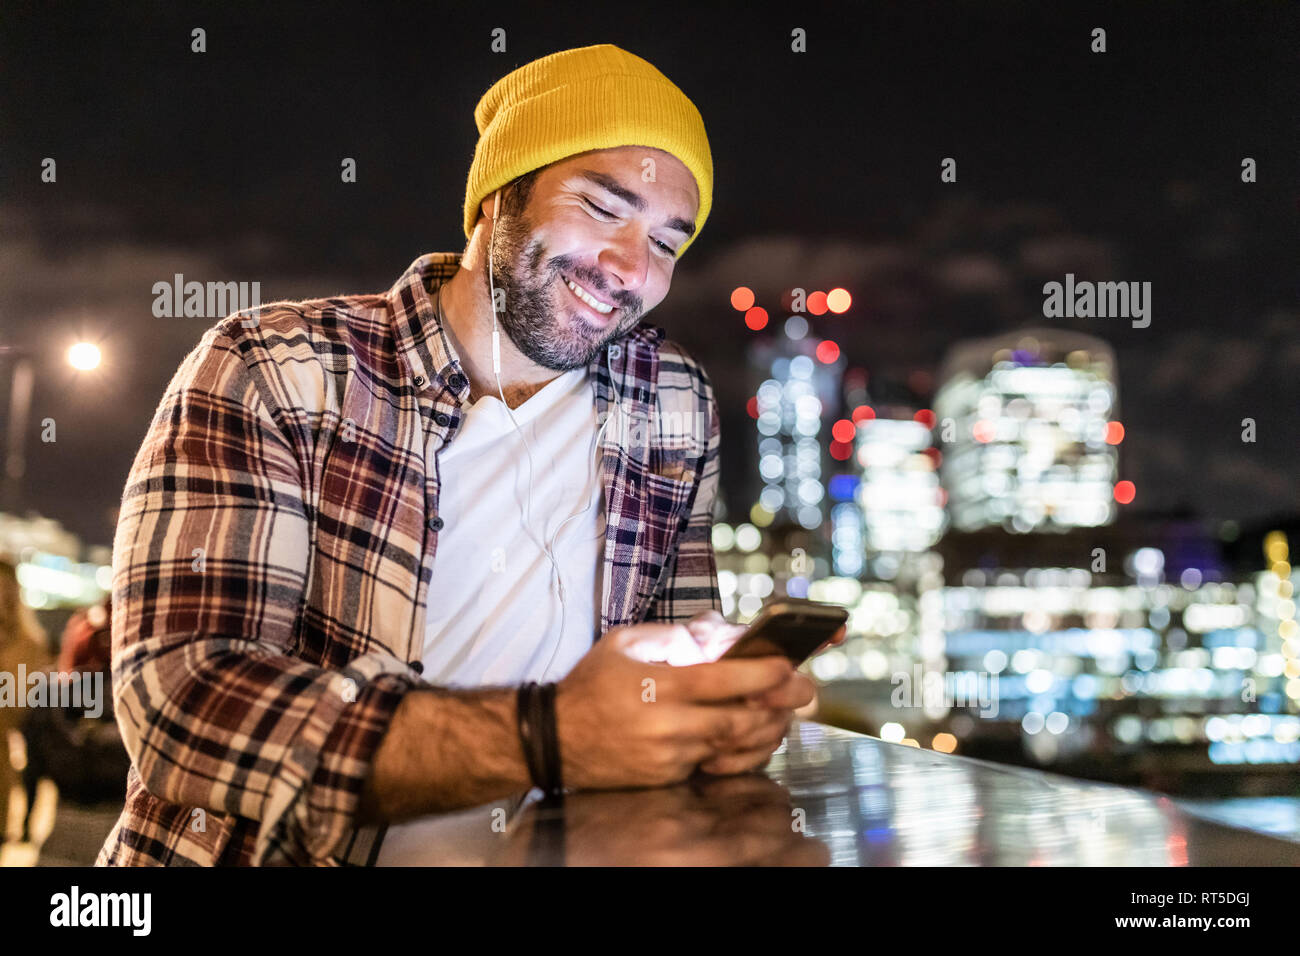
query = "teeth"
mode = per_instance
[{"x": 586, "y": 297}]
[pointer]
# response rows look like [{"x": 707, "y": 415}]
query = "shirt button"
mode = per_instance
[
  {"x": 443, "y": 419},
  {"x": 419, "y": 381},
  {"x": 435, "y": 523},
  {"x": 417, "y": 666},
  {"x": 457, "y": 382}
]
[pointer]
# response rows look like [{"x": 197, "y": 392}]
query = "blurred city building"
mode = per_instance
[
  {"x": 1006, "y": 600},
  {"x": 1029, "y": 422}
]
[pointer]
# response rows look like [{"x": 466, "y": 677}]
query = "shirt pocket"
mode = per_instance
[
  {"x": 669, "y": 481},
  {"x": 672, "y": 465}
]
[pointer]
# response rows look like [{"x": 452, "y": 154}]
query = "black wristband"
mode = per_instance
[
  {"x": 551, "y": 741},
  {"x": 539, "y": 737},
  {"x": 528, "y": 731}
]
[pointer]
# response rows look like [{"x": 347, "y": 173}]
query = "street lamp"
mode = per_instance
[{"x": 84, "y": 356}]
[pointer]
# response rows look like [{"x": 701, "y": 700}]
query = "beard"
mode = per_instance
[{"x": 541, "y": 315}]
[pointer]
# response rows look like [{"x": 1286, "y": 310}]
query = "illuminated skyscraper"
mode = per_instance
[
  {"x": 900, "y": 497},
  {"x": 1028, "y": 425},
  {"x": 800, "y": 388}
]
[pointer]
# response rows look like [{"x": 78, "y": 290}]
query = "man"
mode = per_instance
[{"x": 356, "y": 522}]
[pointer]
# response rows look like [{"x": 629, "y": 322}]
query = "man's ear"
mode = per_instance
[{"x": 487, "y": 208}]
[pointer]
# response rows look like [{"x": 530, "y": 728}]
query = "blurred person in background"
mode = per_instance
[
  {"x": 22, "y": 644},
  {"x": 87, "y": 645},
  {"x": 79, "y": 748}
]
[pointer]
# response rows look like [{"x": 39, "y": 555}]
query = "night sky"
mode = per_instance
[{"x": 1122, "y": 166}]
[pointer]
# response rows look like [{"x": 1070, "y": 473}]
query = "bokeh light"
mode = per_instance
[
  {"x": 843, "y": 430},
  {"x": 838, "y": 300},
  {"x": 84, "y": 356}
]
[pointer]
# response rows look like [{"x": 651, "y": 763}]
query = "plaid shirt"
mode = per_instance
[{"x": 275, "y": 546}]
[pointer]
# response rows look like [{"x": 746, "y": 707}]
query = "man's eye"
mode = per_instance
[{"x": 605, "y": 212}]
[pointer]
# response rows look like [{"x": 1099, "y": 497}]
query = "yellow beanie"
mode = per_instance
[{"x": 591, "y": 97}]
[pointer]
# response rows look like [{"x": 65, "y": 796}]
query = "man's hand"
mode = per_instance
[
  {"x": 728, "y": 719},
  {"x": 625, "y": 721},
  {"x": 714, "y": 636}
]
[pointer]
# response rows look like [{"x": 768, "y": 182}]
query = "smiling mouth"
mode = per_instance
[{"x": 602, "y": 309}]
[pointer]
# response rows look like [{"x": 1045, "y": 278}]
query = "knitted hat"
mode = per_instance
[{"x": 591, "y": 97}]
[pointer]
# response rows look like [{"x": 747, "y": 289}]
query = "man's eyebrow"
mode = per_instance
[{"x": 635, "y": 200}]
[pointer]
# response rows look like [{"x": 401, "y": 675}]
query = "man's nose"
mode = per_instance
[{"x": 626, "y": 262}]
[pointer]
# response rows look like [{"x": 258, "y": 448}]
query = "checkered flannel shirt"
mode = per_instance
[{"x": 274, "y": 550}]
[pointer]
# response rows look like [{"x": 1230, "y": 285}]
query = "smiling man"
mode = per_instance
[
  {"x": 561, "y": 307},
  {"x": 382, "y": 556}
]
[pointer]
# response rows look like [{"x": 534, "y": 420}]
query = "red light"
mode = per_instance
[
  {"x": 863, "y": 413},
  {"x": 742, "y": 298},
  {"x": 983, "y": 430},
  {"x": 838, "y": 300},
  {"x": 934, "y": 454},
  {"x": 817, "y": 303},
  {"x": 827, "y": 352},
  {"x": 943, "y": 497},
  {"x": 844, "y": 430},
  {"x": 1114, "y": 433},
  {"x": 756, "y": 318},
  {"x": 925, "y": 417},
  {"x": 751, "y": 406},
  {"x": 841, "y": 450},
  {"x": 1124, "y": 492}
]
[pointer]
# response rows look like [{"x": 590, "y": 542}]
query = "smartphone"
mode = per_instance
[{"x": 789, "y": 627}]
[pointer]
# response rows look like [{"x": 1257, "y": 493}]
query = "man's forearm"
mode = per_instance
[{"x": 445, "y": 750}]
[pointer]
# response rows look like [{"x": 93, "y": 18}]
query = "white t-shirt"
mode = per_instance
[{"x": 493, "y": 612}]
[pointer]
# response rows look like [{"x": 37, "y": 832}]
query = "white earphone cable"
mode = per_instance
[{"x": 547, "y": 548}]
